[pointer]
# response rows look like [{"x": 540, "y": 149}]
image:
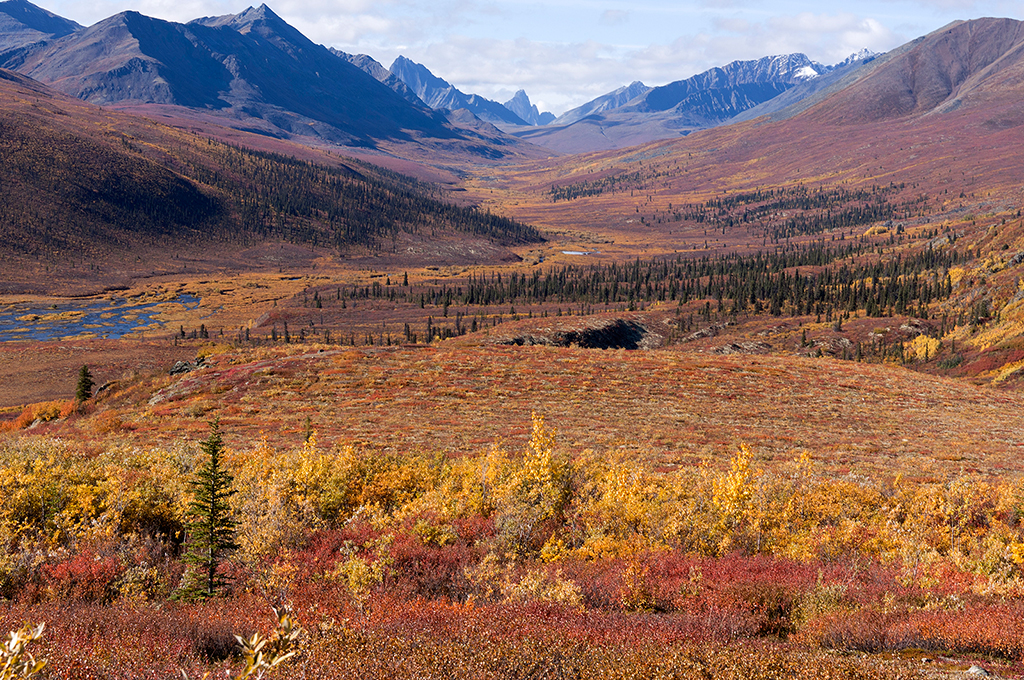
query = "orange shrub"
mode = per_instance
[{"x": 43, "y": 411}]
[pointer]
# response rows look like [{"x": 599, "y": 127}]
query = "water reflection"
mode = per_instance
[{"x": 100, "y": 318}]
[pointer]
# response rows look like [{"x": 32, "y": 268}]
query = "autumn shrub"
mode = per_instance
[
  {"x": 43, "y": 412},
  {"x": 86, "y": 639},
  {"x": 994, "y": 631},
  {"x": 424, "y": 569},
  {"x": 108, "y": 422},
  {"x": 417, "y": 639},
  {"x": 531, "y": 498},
  {"x": 580, "y": 559},
  {"x": 87, "y": 576}
]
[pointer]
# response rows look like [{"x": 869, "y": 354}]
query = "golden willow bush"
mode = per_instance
[
  {"x": 545, "y": 505},
  {"x": 594, "y": 545}
]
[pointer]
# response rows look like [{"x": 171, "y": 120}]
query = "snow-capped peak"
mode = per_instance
[
  {"x": 863, "y": 55},
  {"x": 805, "y": 73}
]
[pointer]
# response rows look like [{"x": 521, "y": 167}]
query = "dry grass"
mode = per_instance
[{"x": 671, "y": 405}]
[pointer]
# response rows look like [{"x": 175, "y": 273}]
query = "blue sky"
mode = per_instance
[{"x": 566, "y": 52}]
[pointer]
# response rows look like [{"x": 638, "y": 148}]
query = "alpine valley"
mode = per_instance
[{"x": 716, "y": 378}]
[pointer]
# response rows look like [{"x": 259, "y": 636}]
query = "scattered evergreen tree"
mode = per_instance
[
  {"x": 211, "y": 533},
  {"x": 83, "y": 391}
]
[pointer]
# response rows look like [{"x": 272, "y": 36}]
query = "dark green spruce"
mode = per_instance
[
  {"x": 83, "y": 391},
  {"x": 211, "y": 532}
]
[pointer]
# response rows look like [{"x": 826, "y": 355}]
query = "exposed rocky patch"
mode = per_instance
[
  {"x": 600, "y": 334},
  {"x": 743, "y": 348}
]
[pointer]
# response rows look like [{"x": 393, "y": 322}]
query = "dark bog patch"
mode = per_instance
[{"x": 617, "y": 334}]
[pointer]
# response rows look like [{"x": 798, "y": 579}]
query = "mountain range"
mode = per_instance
[
  {"x": 438, "y": 93},
  {"x": 253, "y": 71},
  {"x": 638, "y": 114}
]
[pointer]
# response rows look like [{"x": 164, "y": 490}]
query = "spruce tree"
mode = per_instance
[
  {"x": 83, "y": 391},
  {"x": 211, "y": 532}
]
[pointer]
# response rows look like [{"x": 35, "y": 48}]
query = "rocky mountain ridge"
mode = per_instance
[{"x": 251, "y": 71}]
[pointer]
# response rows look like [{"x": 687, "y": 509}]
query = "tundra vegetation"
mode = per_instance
[{"x": 506, "y": 561}]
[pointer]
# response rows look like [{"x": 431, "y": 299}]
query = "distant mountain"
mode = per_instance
[
  {"x": 521, "y": 106},
  {"x": 251, "y": 70},
  {"x": 377, "y": 70},
  {"x": 605, "y": 102},
  {"x": 862, "y": 55},
  {"x": 706, "y": 100},
  {"x": 720, "y": 93},
  {"x": 23, "y": 24},
  {"x": 439, "y": 94},
  {"x": 941, "y": 114},
  {"x": 810, "y": 91}
]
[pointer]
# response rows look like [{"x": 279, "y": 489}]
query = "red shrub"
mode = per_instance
[
  {"x": 429, "y": 571},
  {"x": 87, "y": 576}
]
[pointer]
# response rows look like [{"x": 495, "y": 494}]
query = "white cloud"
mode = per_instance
[
  {"x": 559, "y": 76},
  {"x": 614, "y": 17}
]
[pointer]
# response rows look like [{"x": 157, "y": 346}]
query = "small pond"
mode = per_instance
[{"x": 100, "y": 318}]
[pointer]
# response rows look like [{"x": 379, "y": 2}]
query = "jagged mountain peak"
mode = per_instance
[
  {"x": 521, "y": 105},
  {"x": 371, "y": 66},
  {"x": 254, "y": 15},
  {"x": 441, "y": 95},
  {"x": 760, "y": 79},
  {"x": 247, "y": 17}
]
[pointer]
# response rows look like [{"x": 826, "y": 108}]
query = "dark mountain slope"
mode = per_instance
[
  {"x": 377, "y": 70},
  {"x": 247, "y": 66},
  {"x": 22, "y": 23}
]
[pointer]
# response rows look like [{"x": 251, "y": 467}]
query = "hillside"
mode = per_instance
[
  {"x": 94, "y": 199},
  {"x": 22, "y": 24},
  {"x": 854, "y": 418}
]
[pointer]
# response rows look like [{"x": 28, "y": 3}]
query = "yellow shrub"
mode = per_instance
[
  {"x": 733, "y": 491},
  {"x": 532, "y": 498},
  {"x": 923, "y": 348},
  {"x": 621, "y": 507},
  {"x": 539, "y": 585}
]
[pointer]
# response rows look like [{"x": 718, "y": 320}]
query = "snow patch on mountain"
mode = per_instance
[{"x": 806, "y": 73}]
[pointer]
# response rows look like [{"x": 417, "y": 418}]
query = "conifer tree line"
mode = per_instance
[
  {"x": 774, "y": 213},
  {"x": 64, "y": 193},
  {"x": 818, "y": 279},
  {"x": 281, "y": 196}
]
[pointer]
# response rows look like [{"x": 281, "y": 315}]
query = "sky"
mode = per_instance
[{"x": 564, "y": 53}]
